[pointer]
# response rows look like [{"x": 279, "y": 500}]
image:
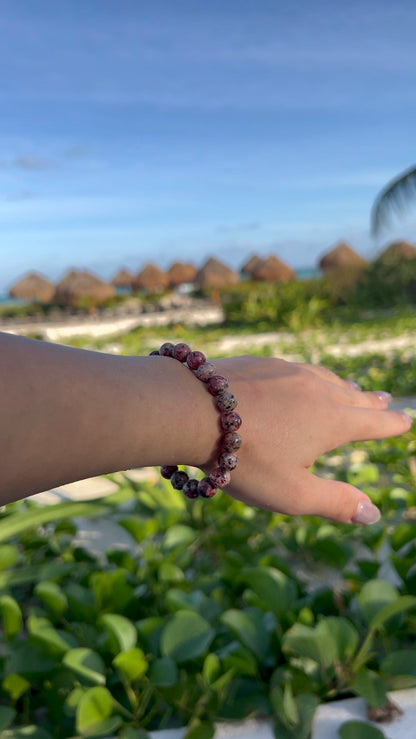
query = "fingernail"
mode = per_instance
[
  {"x": 366, "y": 513},
  {"x": 353, "y": 384},
  {"x": 407, "y": 418},
  {"x": 381, "y": 395}
]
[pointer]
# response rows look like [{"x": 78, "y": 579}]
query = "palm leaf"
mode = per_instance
[{"x": 393, "y": 198}]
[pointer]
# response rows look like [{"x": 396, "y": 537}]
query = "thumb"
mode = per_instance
[{"x": 336, "y": 500}]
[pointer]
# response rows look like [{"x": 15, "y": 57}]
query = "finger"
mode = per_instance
[
  {"x": 336, "y": 500},
  {"x": 362, "y": 424},
  {"x": 352, "y": 395}
]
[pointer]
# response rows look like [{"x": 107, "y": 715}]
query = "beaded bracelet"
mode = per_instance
[{"x": 230, "y": 421}]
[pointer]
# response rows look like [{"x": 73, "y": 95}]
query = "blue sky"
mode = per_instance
[{"x": 156, "y": 130}]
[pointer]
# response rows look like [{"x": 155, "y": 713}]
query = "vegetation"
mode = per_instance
[{"x": 219, "y": 611}]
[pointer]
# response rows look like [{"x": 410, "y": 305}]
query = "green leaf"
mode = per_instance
[
  {"x": 359, "y": 730},
  {"x": 179, "y": 535},
  {"x": 122, "y": 632},
  {"x": 15, "y": 685},
  {"x": 401, "y": 604},
  {"x": 139, "y": 528},
  {"x": 26, "y": 732},
  {"x": 27, "y": 660},
  {"x": 200, "y": 730},
  {"x": 186, "y": 636},
  {"x": 163, "y": 672},
  {"x": 374, "y": 596},
  {"x": 370, "y": 686},
  {"x": 273, "y": 587},
  {"x": 55, "y": 642},
  {"x": 130, "y": 733},
  {"x": 290, "y": 708},
  {"x": 211, "y": 669},
  {"x": 169, "y": 572},
  {"x": 400, "y": 662},
  {"x": 11, "y": 616},
  {"x": 86, "y": 663},
  {"x": 53, "y": 598},
  {"x": 330, "y": 640},
  {"x": 131, "y": 663},
  {"x": 402, "y": 534},
  {"x": 94, "y": 711},
  {"x": 20, "y": 521},
  {"x": 340, "y": 634},
  {"x": 249, "y": 628},
  {"x": 9, "y": 555},
  {"x": 7, "y": 715}
]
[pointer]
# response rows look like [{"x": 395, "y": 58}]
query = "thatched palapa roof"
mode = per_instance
[
  {"x": 77, "y": 286},
  {"x": 151, "y": 278},
  {"x": 251, "y": 264},
  {"x": 180, "y": 272},
  {"x": 214, "y": 274},
  {"x": 342, "y": 255},
  {"x": 33, "y": 287},
  {"x": 398, "y": 251},
  {"x": 123, "y": 278},
  {"x": 272, "y": 269}
]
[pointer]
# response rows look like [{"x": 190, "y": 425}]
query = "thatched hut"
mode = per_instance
[
  {"x": 342, "y": 255},
  {"x": 79, "y": 287},
  {"x": 33, "y": 287},
  {"x": 151, "y": 278},
  {"x": 180, "y": 273},
  {"x": 397, "y": 251},
  {"x": 272, "y": 269},
  {"x": 251, "y": 264},
  {"x": 123, "y": 278},
  {"x": 215, "y": 275}
]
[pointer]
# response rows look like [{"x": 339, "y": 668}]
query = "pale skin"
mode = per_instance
[{"x": 67, "y": 414}]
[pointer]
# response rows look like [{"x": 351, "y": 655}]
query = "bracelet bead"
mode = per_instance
[
  {"x": 226, "y": 402},
  {"x": 205, "y": 371},
  {"x": 230, "y": 422}
]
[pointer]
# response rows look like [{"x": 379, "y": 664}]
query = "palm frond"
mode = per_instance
[{"x": 393, "y": 198}]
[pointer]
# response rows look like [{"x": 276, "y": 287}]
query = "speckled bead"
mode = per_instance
[
  {"x": 206, "y": 489},
  {"x": 227, "y": 460},
  {"x": 217, "y": 384},
  {"x": 179, "y": 479},
  {"x": 231, "y": 441},
  {"x": 166, "y": 350},
  {"x": 167, "y": 470},
  {"x": 180, "y": 352},
  {"x": 195, "y": 359},
  {"x": 231, "y": 421},
  {"x": 226, "y": 402},
  {"x": 190, "y": 488},
  {"x": 205, "y": 371},
  {"x": 154, "y": 353},
  {"x": 220, "y": 477}
]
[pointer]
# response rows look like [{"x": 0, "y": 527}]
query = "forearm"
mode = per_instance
[{"x": 67, "y": 414}]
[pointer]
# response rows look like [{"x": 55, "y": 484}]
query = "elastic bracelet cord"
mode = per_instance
[{"x": 230, "y": 421}]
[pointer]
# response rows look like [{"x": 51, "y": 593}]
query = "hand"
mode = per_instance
[{"x": 292, "y": 413}]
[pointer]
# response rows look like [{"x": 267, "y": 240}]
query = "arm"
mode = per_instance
[{"x": 67, "y": 414}]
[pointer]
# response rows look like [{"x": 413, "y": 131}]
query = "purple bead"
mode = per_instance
[
  {"x": 228, "y": 461},
  {"x": 166, "y": 350},
  {"x": 205, "y": 371},
  {"x": 231, "y": 421},
  {"x": 195, "y": 359},
  {"x": 231, "y": 441},
  {"x": 154, "y": 353},
  {"x": 181, "y": 352},
  {"x": 206, "y": 489},
  {"x": 179, "y": 479},
  {"x": 167, "y": 470},
  {"x": 190, "y": 489},
  {"x": 220, "y": 477},
  {"x": 226, "y": 402},
  {"x": 217, "y": 384}
]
